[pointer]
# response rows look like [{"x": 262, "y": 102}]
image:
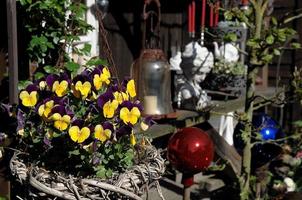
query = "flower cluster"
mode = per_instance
[
  {"x": 222, "y": 66},
  {"x": 89, "y": 120}
]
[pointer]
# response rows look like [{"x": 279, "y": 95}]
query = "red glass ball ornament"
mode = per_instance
[{"x": 190, "y": 150}]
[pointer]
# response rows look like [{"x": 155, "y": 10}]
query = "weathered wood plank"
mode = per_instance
[
  {"x": 225, "y": 151},
  {"x": 12, "y": 50}
]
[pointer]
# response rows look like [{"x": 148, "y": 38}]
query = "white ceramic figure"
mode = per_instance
[
  {"x": 196, "y": 63},
  {"x": 175, "y": 62},
  {"x": 227, "y": 51}
]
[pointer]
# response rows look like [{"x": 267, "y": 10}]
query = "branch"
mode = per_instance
[
  {"x": 277, "y": 99},
  {"x": 294, "y": 136}
]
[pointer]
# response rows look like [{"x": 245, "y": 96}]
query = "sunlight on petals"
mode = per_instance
[
  {"x": 102, "y": 134},
  {"x": 83, "y": 88},
  {"x": 131, "y": 88},
  {"x": 105, "y": 76},
  {"x": 97, "y": 82},
  {"x": 61, "y": 123},
  {"x": 130, "y": 116},
  {"x": 29, "y": 99},
  {"x": 60, "y": 88},
  {"x": 45, "y": 109},
  {"x": 109, "y": 108},
  {"x": 79, "y": 135},
  {"x": 120, "y": 96}
]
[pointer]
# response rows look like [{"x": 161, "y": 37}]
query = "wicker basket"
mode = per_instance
[{"x": 53, "y": 185}]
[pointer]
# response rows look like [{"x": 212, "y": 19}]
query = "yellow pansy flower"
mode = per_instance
[
  {"x": 109, "y": 108},
  {"x": 83, "y": 88},
  {"x": 120, "y": 96},
  {"x": 79, "y": 135},
  {"x": 60, "y": 88},
  {"x": 97, "y": 82},
  {"x": 131, "y": 88},
  {"x": 45, "y": 109},
  {"x": 105, "y": 75},
  {"x": 29, "y": 99},
  {"x": 101, "y": 133},
  {"x": 130, "y": 116},
  {"x": 99, "y": 79},
  {"x": 61, "y": 122}
]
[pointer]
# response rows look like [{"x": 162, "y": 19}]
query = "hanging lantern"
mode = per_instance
[{"x": 151, "y": 70}]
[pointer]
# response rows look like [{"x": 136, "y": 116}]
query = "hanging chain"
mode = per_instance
[{"x": 105, "y": 45}]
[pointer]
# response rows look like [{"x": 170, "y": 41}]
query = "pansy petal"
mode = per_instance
[
  {"x": 132, "y": 119},
  {"x": 135, "y": 111},
  {"x": 74, "y": 133},
  {"x": 56, "y": 117},
  {"x": 124, "y": 112},
  {"x": 107, "y": 133},
  {"x": 131, "y": 88},
  {"x": 132, "y": 139},
  {"x": 41, "y": 110},
  {"x": 84, "y": 134},
  {"x": 66, "y": 119},
  {"x": 60, "y": 125}
]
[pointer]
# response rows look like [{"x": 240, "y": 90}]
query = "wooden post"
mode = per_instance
[{"x": 12, "y": 50}]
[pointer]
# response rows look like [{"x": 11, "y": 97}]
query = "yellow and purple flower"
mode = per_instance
[
  {"x": 129, "y": 113},
  {"x": 103, "y": 132},
  {"x": 129, "y": 87},
  {"x": 61, "y": 117},
  {"x": 101, "y": 76},
  {"x": 108, "y": 104},
  {"x": 58, "y": 84},
  {"x": 78, "y": 132},
  {"x": 81, "y": 86},
  {"x": 29, "y": 96}
]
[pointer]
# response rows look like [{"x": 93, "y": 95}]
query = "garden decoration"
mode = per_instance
[
  {"x": 151, "y": 70},
  {"x": 192, "y": 66},
  {"x": 190, "y": 151},
  {"x": 267, "y": 37},
  {"x": 81, "y": 135},
  {"x": 264, "y": 129}
]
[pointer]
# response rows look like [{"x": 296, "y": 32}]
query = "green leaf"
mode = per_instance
[
  {"x": 109, "y": 173},
  {"x": 36, "y": 140},
  {"x": 96, "y": 61},
  {"x": 232, "y": 37},
  {"x": 74, "y": 152},
  {"x": 267, "y": 58},
  {"x": 270, "y": 39},
  {"x": 72, "y": 66},
  {"x": 277, "y": 52},
  {"x": 86, "y": 49},
  {"x": 274, "y": 21},
  {"x": 23, "y": 84},
  {"x": 296, "y": 45},
  {"x": 50, "y": 69},
  {"x": 298, "y": 123},
  {"x": 39, "y": 75},
  {"x": 55, "y": 135}
]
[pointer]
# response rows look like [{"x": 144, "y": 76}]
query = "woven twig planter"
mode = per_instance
[{"x": 129, "y": 185}]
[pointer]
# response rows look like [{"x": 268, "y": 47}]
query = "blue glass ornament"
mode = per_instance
[
  {"x": 269, "y": 130},
  {"x": 267, "y": 127}
]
